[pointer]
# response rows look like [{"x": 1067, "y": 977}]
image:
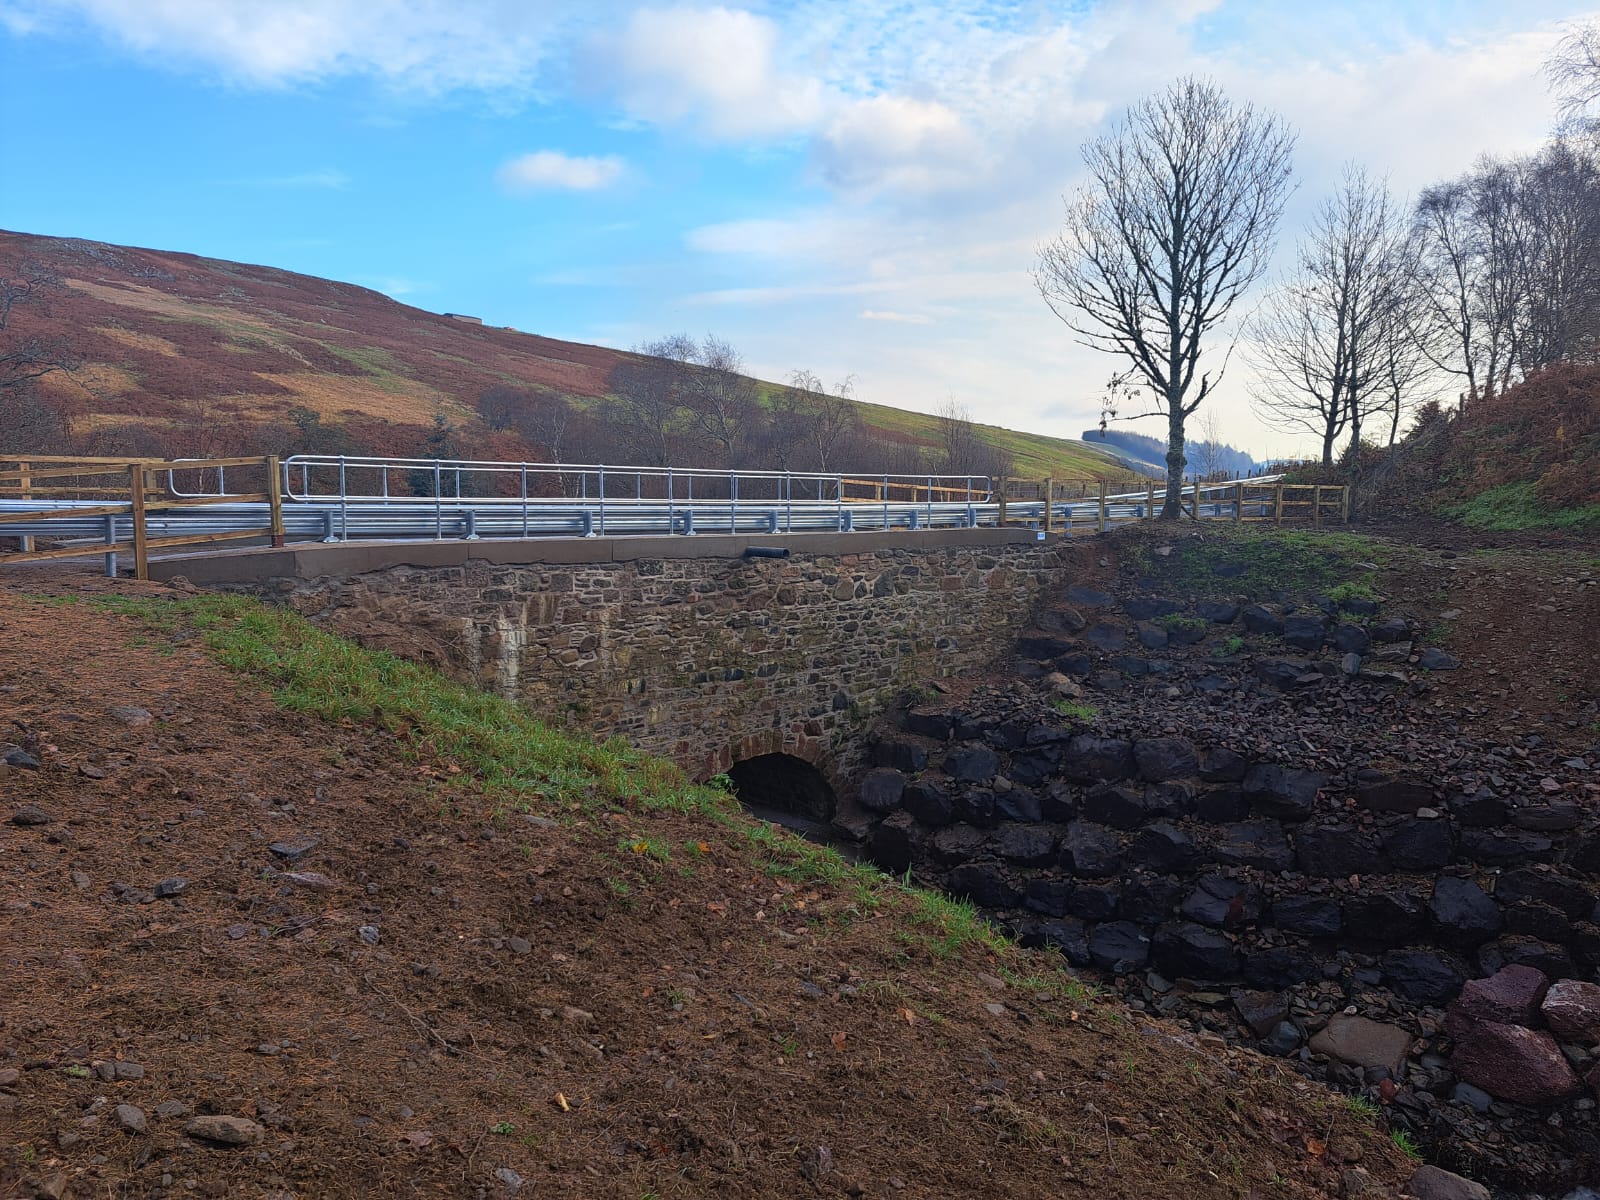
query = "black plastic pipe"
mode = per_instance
[{"x": 766, "y": 552}]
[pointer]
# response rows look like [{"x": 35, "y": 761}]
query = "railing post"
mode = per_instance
[
  {"x": 1049, "y": 495},
  {"x": 111, "y": 540},
  {"x": 1150, "y": 501},
  {"x": 1004, "y": 487},
  {"x": 1344, "y": 504},
  {"x": 1105, "y": 515},
  {"x": 1238, "y": 502},
  {"x": 1278, "y": 503},
  {"x": 275, "y": 498},
  {"x": 1316, "y": 505},
  {"x": 141, "y": 558},
  {"x": 25, "y": 491}
]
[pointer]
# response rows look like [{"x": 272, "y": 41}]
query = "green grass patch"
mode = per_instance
[
  {"x": 1074, "y": 710},
  {"x": 1352, "y": 589},
  {"x": 1255, "y": 562},
  {"x": 1514, "y": 506},
  {"x": 1173, "y": 622}
]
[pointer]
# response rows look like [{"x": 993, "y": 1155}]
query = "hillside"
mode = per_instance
[
  {"x": 187, "y": 354},
  {"x": 1526, "y": 459},
  {"x": 320, "y": 923}
]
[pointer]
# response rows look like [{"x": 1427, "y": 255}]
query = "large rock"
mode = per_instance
[
  {"x": 1351, "y": 639},
  {"x": 1160, "y": 759},
  {"x": 1305, "y": 632},
  {"x": 1505, "y": 847},
  {"x": 1524, "y": 1066},
  {"x": 1222, "y": 903},
  {"x": 1553, "y": 960},
  {"x": 881, "y": 788},
  {"x": 1259, "y": 619},
  {"x": 1165, "y": 847},
  {"x": 1384, "y": 918},
  {"x": 1335, "y": 852},
  {"x": 1509, "y": 997},
  {"x": 893, "y": 843},
  {"x": 956, "y": 844},
  {"x": 1465, "y": 913},
  {"x": 1090, "y": 758},
  {"x": 1118, "y": 807},
  {"x": 1363, "y": 1042},
  {"x": 1419, "y": 844},
  {"x": 1284, "y": 793},
  {"x": 972, "y": 764},
  {"x": 225, "y": 1131},
  {"x": 1434, "y": 1183},
  {"x": 1106, "y": 638},
  {"x": 1029, "y": 845},
  {"x": 985, "y": 884},
  {"x": 1572, "y": 1010},
  {"x": 1185, "y": 951},
  {"x": 1423, "y": 976},
  {"x": 1309, "y": 916},
  {"x": 929, "y": 802},
  {"x": 1119, "y": 947},
  {"x": 1258, "y": 844},
  {"x": 1381, "y": 793},
  {"x": 1090, "y": 851}
]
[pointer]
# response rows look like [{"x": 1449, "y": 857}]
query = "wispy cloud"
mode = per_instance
[
  {"x": 885, "y": 314},
  {"x": 547, "y": 170},
  {"x": 326, "y": 178}
]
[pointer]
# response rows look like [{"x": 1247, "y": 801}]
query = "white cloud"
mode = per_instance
[
  {"x": 899, "y": 142},
  {"x": 327, "y": 178},
  {"x": 431, "y": 45},
  {"x": 900, "y": 317},
  {"x": 544, "y": 170},
  {"x": 714, "y": 69}
]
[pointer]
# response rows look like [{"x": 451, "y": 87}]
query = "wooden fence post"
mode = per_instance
[
  {"x": 275, "y": 498},
  {"x": 1049, "y": 494},
  {"x": 1278, "y": 504},
  {"x": 1105, "y": 521},
  {"x": 1344, "y": 504},
  {"x": 1316, "y": 505},
  {"x": 1238, "y": 502},
  {"x": 1149, "y": 501},
  {"x": 1004, "y": 486},
  {"x": 141, "y": 554}
]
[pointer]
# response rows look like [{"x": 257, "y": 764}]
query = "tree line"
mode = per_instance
[{"x": 1483, "y": 280}]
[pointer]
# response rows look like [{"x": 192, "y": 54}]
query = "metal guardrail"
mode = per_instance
[{"x": 332, "y": 499}]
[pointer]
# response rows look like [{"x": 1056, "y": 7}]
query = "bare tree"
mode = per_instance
[
  {"x": 1177, "y": 223},
  {"x": 1320, "y": 340},
  {"x": 27, "y": 356},
  {"x": 961, "y": 448},
  {"x": 1574, "y": 73},
  {"x": 1210, "y": 456},
  {"x": 828, "y": 419},
  {"x": 721, "y": 401},
  {"x": 646, "y": 404}
]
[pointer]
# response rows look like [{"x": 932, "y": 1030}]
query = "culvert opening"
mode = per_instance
[{"x": 787, "y": 791}]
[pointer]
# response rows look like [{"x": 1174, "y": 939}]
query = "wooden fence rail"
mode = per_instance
[{"x": 132, "y": 478}]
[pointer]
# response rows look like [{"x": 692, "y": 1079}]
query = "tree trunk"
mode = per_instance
[{"x": 1173, "y": 507}]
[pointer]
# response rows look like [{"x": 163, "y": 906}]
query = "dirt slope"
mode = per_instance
[{"x": 424, "y": 992}]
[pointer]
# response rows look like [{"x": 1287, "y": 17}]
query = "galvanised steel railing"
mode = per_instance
[{"x": 338, "y": 498}]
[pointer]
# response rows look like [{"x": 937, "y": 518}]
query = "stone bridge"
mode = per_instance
[{"x": 687, "y": 646}]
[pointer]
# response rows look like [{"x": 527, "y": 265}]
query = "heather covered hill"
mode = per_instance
[{"x": 175, "y": 353}]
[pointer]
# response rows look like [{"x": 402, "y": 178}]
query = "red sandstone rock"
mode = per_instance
[
  {"x": 1509, "y": 997},
  {"x": 1512, "y": 1063},
  {"x": 1572, "y": 1010}
]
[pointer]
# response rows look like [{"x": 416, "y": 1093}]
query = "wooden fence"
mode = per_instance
[
  {"x": 130, "y": 488},
  {"x": 1240, "y": 501}
]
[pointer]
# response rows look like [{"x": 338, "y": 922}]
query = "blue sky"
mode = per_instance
[{"x": 854, "y": 188}]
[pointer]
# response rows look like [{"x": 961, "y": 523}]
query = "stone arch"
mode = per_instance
[{"x": 784, "y": 788}]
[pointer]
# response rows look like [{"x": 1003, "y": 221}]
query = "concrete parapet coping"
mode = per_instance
[{"x": 316, "y": 560}]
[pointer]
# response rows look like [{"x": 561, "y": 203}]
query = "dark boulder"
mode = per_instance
[
  {"x": 1389, "y": 630},
  {"x": 1260, "y": 619},
  {"x": 1090, "y": 851},
  {"x": 1118, "y": 807},
  {"x": 1108, "y": 639},
  {"x": 1538, "y": 920},
  {"x": 901, "y": 755},
  {"x": 972, "y": 764},
  {"x": 1383, "y": 918},
  {"x": 1434, "y": 659},
  {"x": 1029, "y": 845},
  {"x": 1335, "y": 852},
  {"x": 929, "y": 723},
  {"x": 1219, "y": 612},
  {"x": 1062, "y": 620},
  {"x": 1149, "y": 899},
  {"x": 1258, "y": 844},
  {"x": 1067, "y": 935},
  {"x": 1545, "y": 957},
  {"x": 1030, "y": 768},
  {"x": 1149, "y": 608},
  {"x": 1018, "y": 804},
  {"x": 1571, "y": 896},
  {"x": 1221, "y": 806},
  {"x": 892, "y": 845},
  {"x": 1351, "y": 639},
  {"x": 1261, "y": 1011},
  {"x": 1163, "y": 846},
  {"x": 1164, "y": 758},
  {"x": 1464, "y": 912},
  {"x": 1090, "y": 758},
  {"x": 1284, "y": 793},
  {"x": 929, "y": 802},
  {"x": 1151, "y": 637},
  {"x": 1222, "y": 903},
  {"x": 1042, "y": 647},
  {"x": 1378, "y": 792},
  {"x": 956, "y": 844},
  {"x": 1047, "y": 896},
  {"x": 1119, "y": 947},
  {"x": 1419, "y": 844},
  {"x": 1059, "y": 802},
  {"x": 881, "y": 789},
  {"x": 1079, "y": 664},
  {"x": 1218, "y": 764},
  {"x": 1094, "y": 901},
  {"x": 1087, "y": 597},
  {"x": 1181, "y": 950},
  {"x": 1423, "y": 976},
  {"x": 1308, "y": 916},
  {"x": 1281, "y": 967},
  {"x": 976, "y": 806},
  {"x": 1505, "y": 847},
  {"x": 984, "y": 883},
  {"x": 1305, "y": 632},
  {"x": 1287, "y": 674}
]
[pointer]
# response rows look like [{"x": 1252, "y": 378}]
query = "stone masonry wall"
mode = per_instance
[{"x": 706, "y": 659}]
